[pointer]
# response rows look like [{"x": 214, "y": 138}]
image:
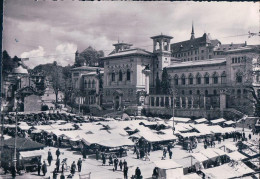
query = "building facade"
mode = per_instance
[{"x": 207, "y": 79}]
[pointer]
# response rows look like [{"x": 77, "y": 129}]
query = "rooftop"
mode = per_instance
[
  {"x": 162, "y": 36},
  {"x": 193, "y": 43},
  {"x": 216, "y": 61},
  {"x": 93, "y": 73},
  {"x": 87, "y": 68},
  {"x": 134, "y": 51}
]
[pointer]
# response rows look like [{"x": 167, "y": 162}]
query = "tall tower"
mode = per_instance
[
  {"x": 192, "y": 32},
  {"x": 161, "y": 47}
]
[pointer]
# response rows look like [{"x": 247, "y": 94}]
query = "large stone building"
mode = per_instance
[{"x": 208, "y": 79}]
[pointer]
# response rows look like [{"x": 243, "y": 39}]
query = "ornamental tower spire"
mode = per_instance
[{"x": 192, "y": 32}]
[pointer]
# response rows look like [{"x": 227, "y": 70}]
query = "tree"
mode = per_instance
[
  {"x": 7, "y": 64},
  {"x": 57, "y": 80},
  {"x": 90, "y": 57},
  {"x": 158, "y": 85},
  {"x": 165, "y": 83}
]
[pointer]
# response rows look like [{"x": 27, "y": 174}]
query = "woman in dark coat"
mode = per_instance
[
  {"x": 103, "y": 159},
  {"x": 73, "y": 168},
  {"x": 44, "y": 168}
]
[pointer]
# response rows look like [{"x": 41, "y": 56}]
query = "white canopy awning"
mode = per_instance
[
  {"x": 201, "y": 120},
  {"x": 229, "y": 122},
  {"x": 217, "y": 121},
  {"x": 167, "y": 164},
  {"x": 32, "y": 153},
  {"x": 236, "y": 156}
]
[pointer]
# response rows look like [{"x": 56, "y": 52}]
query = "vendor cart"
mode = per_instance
[{"x": 28, "y": 160}]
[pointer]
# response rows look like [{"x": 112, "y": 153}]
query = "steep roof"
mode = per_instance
[
  {"x": 23, "y": 144},
  {"x": 193, "y": 43},
  {"x": 225, "y": 47},
  {"x": 218, "y": 61},
  {"x": 134, "y": 51}
]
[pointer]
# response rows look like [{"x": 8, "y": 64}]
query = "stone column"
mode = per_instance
[
  {"x": 170, "y": 101},
  {"x": 192, "y": 102},
  {"x": 180, "y": 102},
  {"x": 204, "y": 101},
  {"x": 222, "y": 101},
  {"x": 159, "y": 101},
  {"x": 164, "y": 100},
  {"x": 147, "y": 80},
  {"x": 186, "y": 99}
]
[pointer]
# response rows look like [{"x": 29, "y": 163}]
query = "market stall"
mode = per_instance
[
  {"x": 169, "y": 169},
  {"x": 28, "y": 160}
]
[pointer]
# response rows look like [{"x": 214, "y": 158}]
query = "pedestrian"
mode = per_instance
[
  {"x": 39, "y": 166},
  {"x": 73, "y": 168},
  {"x": 58, "y": 153},
  {"x": 249, "y": 136},
  {"x": 55, "y": 174},
  {"x": 137, "y": 153},
  {"x": 62, "y": 167},
  {"x": 121, "y": 150},
  {"x": 110, "y": 160},
  {"x": 44, "y": 168},
  {"x": 170, "y": 154},
  {"x": 121, "y": 165},
  {"x": 125, "y": 164},
  {"x": 49, "y": 157},
  {"x": 138, "y": 173},
  {"x": 57, "y": 165},
  {"x": 84, "y": 153},
  {"x": 62, "y": 176},
  {"x": 125, "y": 172},
  {"x": 135, "y": 148},
  {"x": 13, "y": 171},
  {"x": 103, "y": 159},
  {"x": 79, "y": 164},
  {"x": 115, "y": 163},
  {"x": 97, "y": 155},
  {"x": 155, "y": 173}
]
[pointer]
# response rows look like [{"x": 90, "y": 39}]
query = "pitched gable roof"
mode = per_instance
[{"x": 193, "y": 43}]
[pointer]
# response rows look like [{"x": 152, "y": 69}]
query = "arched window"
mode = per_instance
[
  {"x": 182, "y": 92},
  {"x": 190, "y": 92},
  {"x": 85, "y": 84},
  {"x": 176, "y": 80},
  {"x": 183, "y": 80},
  {"x": 215, "y": 92},
  {"x": 198, "y": 92},
  {"x": 238, "y": 93},
  {"x": 223, "y": 78},
  {"x": 191, "y": 79},
  {"x": 245, "y": 92},
  {"x": 120, "y": 75},
  {"x": 93, "y": 84},
  {"x": 206, "y": 92},
  {"x": 206, "y": 78},
  {"x": 128, "y": 75},
  {"x": 113, "y": 76},
  {"x": 89, "y": 84},
  {"x": 239, "y": 77},
  {"x": 198, "y": 79},
  {"x": 215, "y": 78}
]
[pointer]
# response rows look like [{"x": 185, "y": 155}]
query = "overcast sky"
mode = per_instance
[{"x": 50, "y": 28}]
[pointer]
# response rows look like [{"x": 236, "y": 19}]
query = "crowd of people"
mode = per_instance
[{"x": 60, "y": 167}]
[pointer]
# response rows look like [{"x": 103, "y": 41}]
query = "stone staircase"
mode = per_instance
[{"x": 232, "y": 114}]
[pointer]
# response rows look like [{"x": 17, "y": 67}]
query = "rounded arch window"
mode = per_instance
[{"x": 120, "y": 75}]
